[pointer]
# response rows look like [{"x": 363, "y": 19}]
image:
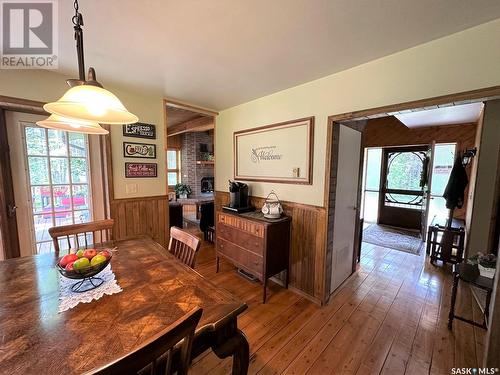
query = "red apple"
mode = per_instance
[
  {"x": 69, "y": 266},
  {"x": 69, "y": 258},
  {"x": 105, "y": 253},
  {"x": 90, "y": 253}
]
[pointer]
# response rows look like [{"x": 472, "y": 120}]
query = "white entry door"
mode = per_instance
[
  {"x": 51, "y": 179},
  {"x": 346, "y": 200}
]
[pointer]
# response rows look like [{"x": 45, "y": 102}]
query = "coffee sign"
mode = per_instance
[
  {"x": 139, "y": 150},
  {"x": 141, "y": 170},
  {"x": 140, "y": 130}
]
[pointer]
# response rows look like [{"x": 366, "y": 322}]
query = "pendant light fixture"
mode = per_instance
[
  {"x": 72, "y": 125},
  {"x": 86, "y": 100}
]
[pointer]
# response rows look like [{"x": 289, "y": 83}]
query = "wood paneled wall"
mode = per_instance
[
  {"x": 307, "y": 256},
  {"x": 141, "y": 216},
  {"x": 389, "y": 131}
]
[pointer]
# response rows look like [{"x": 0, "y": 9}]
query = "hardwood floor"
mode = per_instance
[{"x": 389, "y": 318}]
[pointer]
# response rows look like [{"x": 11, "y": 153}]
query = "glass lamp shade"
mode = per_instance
[
  {"x": 71, "y": 125},
  {"x": 92, "y": 103}
]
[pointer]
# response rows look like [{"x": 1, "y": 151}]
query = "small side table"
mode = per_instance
[
  {"x": 470, "y": 274},
  {"x": 455, "y": 253}
]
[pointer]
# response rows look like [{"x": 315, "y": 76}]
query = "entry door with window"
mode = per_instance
[
  {"x": 51, "y": 181},
  {"x": 403, "y": 181}
]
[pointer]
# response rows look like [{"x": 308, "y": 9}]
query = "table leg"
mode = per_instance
[
  {"x": 236, "y": 346},
  {"x": 453, "y": 300}
]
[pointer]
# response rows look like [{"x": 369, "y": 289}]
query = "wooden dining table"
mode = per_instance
[{"x": 157, "y": 290}]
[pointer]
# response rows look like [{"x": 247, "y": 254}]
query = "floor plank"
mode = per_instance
[{"x": 390, "y": 317}]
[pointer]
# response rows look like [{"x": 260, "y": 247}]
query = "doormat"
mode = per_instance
[{"x": 394, "y": 238}]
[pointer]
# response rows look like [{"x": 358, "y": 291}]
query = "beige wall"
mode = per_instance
[
  {"x": 49, "y": 86},
  {"x": 444, "y": 66}
]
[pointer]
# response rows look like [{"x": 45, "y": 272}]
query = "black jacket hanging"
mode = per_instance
[{"x": 454, "y": 191}]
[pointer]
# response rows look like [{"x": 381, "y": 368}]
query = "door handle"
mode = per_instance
[{"x": 11, "y": 210}]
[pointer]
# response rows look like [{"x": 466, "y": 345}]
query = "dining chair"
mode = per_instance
[
  {"x": 100, "y": 232},
  {"x": 183, "y": 246},
  {"x": 154, "y": 356},
  {"x": 207, "y": 221}
]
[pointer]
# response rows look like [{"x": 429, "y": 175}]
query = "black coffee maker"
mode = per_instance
[{"x": 238, "y": 192}]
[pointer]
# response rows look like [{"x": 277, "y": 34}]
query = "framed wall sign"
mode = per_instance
[
  {"x": 139, "y": 150},
  {"x": 140, "y": 130},
  {"x": 141, "y": 170},
  {"x": 280, "y": 152}
]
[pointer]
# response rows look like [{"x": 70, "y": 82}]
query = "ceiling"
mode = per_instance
[
  {"x": 221, "y": 53},
  {"x": 176, "y": 116},
  {"x": 458, "y": 114}
]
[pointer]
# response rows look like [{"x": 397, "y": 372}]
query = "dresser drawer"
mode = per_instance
[
  {"x": 248, "y": 226},
  {"x": 244, "y": 239},
  {"x": 240, "y": 256}
]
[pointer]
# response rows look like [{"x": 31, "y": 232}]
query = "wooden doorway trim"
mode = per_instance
[
  {"x": 480, "y": 95},
  {"x": 465, "y": 97},
  {"x": 9, "y": 236},
  {"x": 167, "y": 102}
]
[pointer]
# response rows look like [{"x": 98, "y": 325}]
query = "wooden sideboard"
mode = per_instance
[{"x": 255, "y": 244}]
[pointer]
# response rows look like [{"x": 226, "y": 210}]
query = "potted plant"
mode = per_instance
[{"x": 182, "y": 190}]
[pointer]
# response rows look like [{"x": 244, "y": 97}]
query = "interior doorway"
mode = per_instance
[
  {"x": 190, "y": 153},
  {"x": 435, "y": 146}
]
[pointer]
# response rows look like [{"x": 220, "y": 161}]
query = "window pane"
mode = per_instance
[
  {"x": 57, "y": 143},
  {"x": 370, "y": 212},
  {"x": 46, "y": 247},
  {"x": 40, "y": 198},
  {"x": 405, "y": 171},
  {"x": 444, "y": 156},
  {"x": 172, "y": 178},
  {"x": 42, "y": 225},
  {"x": 35, "y": 141},
  {"x": 81, "y": 197},
  {"x": 373, "y": 164},
  {"x": 59, "y": 170},
  {"x": 82, "y": 216},
  {"x": 39, "y": 170},
  {"x": 64, "y": 218},
  {"x": 77, "y": 144},
  {"x": 62, "y": 198},
  {"x": 438, "y": 213},
  {"x": 78, "y": 170},
  {"x": 171, "y": 159}
]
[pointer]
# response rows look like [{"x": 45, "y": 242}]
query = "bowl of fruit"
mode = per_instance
[{"x": 84, "y": 263}]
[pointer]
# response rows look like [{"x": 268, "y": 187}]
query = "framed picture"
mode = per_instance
[
  {"x": 139, "y": 150},
  {"x": 141, "y": 170},
  {"x": 140, "y": 130},
  {"x": 280, "y": 152}
]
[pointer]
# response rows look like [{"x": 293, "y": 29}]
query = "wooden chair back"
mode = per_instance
[
  {"x": 183, "y": 246},
  {"x": 154, "y": 356},
  {"x": 100, "y": 232}
]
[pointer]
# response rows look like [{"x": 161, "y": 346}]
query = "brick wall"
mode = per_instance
[{"x": 192, "y": 173}]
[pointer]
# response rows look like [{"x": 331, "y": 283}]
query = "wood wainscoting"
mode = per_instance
[
  {"x": 141, "y": 216},
  {"x": 307, "y": 255}
]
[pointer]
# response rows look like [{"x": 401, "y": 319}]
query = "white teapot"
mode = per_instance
[{"x": 272, "y": 208}]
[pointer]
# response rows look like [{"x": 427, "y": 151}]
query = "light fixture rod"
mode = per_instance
[{"x": 78, "y": 22}]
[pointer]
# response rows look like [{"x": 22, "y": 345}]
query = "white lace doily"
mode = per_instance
[{"x": 69, "y": 299}]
